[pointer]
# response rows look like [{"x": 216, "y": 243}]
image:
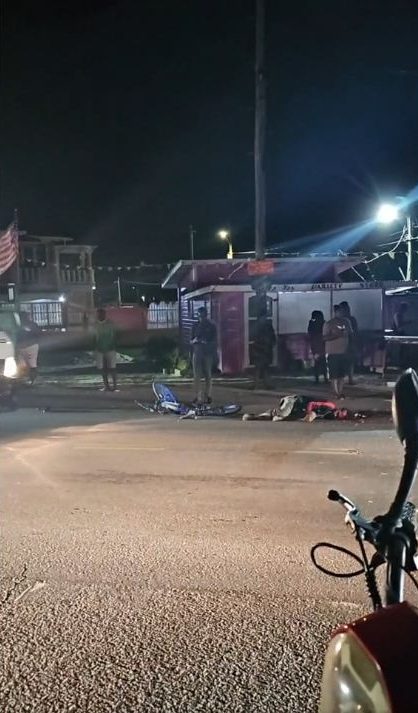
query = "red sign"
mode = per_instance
[{"x": 260, "y": 267}]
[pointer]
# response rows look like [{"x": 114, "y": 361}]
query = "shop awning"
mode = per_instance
[{"x": 192, "y": 274}]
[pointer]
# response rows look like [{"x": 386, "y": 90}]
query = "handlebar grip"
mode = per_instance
[
  {"x": 334, "y": 495},
  {"x": 409, "y": 512}
]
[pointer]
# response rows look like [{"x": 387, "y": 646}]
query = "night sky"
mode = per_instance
[{"x": 123, "y": 122}]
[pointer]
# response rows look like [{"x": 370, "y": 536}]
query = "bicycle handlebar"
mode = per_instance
[{"x": 368, "y": 527}]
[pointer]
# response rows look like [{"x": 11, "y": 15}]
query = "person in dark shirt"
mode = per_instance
[
  {"x": 204, "y": 356},
  {"x": 317, "y": 344},
  {"x": 264, "y": 341},
  {"x": 400, "y": 320}
]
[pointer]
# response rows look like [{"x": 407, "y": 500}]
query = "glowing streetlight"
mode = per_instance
[
  {"x": 226, "y": 235},
  {"x": 387, "y": 213}
]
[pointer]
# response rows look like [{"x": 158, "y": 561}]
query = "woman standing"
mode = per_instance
[{"x": 317, "y": 344}]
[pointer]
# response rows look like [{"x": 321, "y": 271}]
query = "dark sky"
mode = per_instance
[{"x": 124, "y": 121}]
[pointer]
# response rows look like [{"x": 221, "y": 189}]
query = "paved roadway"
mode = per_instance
[{"x": 167, "y": 563}]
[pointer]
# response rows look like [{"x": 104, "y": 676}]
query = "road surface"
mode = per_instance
[{"x": 156, "y": 565}]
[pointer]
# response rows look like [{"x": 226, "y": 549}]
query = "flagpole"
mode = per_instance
[{"x": 17, "y": 270}]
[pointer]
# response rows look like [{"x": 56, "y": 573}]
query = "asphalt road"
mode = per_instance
[{"x": 156, "y": 565}]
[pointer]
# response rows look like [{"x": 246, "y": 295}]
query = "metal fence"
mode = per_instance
[
  {"x": 163, "y": 315},
  {"x": 47, "y": 315}
]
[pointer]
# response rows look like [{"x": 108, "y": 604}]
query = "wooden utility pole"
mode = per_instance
[
  {"x": 260, "y": 132},
  {"x": 192, "y": 234}
]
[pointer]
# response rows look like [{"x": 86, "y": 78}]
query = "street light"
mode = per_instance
[
  {"x": 226, "y": 235},
  {"x": 389, "y": 213}
]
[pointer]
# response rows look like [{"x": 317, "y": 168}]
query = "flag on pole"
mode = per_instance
[{"x": 8, "y": 247}]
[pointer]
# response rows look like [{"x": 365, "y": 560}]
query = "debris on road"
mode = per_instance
[
  {"x": 39, "y": 584},
  {"x": 16, "y": 582}
]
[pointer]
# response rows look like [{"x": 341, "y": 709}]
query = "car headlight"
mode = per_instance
[{"x": 10, "y": 367}]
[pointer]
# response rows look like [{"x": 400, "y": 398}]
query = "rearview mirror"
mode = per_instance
[{"x": 405, "y": 406}]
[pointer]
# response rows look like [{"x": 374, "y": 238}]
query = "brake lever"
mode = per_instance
[{"x": 353, "y": 517}]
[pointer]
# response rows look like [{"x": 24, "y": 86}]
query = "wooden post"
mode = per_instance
[
  {"x": 260, "y": 133},
  {"x": 192, "y": 234}
]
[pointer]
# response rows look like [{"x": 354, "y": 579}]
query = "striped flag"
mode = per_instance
[{"x": 8, "y": 247}]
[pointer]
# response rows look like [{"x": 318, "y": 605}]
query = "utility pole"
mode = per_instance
[
  {"x": 409, "y": 268},
  {"x": 192, "y": 234},
  {"x": 119, "y": 291},
  {"x": 260, "y": 132}
]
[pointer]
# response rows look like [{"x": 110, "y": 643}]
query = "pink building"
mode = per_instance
[{"x": 296, "y": 287}]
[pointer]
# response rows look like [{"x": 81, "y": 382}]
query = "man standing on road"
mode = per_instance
[
  {"x": 105, "y": 346},
  {"x": 352, "y": 351},
  {"x": 264, "y": 341},
  {"x": 337, "y": 334},
  {"x": 28, "y": 345},
  {"x": 204, "y": 346}
]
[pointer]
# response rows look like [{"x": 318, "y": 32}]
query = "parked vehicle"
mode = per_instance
[
  {"x": 8, "y": 370},
  {"x": 370, "y": 665}
]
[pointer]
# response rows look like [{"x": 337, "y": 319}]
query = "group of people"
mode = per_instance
[
  {"x": 333, "y": 343},
  {"x": 204, "y": 344},
  {"x": 334, "y": 346}
]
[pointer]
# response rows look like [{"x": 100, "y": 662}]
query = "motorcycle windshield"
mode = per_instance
[{"x": 352, "y": 681}]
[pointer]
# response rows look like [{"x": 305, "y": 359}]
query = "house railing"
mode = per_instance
[
  {"x": 78, "y": 275},
  {"x": 42, "y": 277},
  {"x": 163, "y": 315}
]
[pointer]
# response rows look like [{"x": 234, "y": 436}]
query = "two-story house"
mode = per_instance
[{"x": 55, "y": 280}]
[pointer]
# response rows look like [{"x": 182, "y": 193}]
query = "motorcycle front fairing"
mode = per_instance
[{"x": 371, "y": 664}]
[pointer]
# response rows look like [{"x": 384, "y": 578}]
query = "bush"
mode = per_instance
[{"x": 163, "y": 353}]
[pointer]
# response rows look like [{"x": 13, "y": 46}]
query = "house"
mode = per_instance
[
  {"x": 55, "y": 280},
  {"x": 293, "y": 288}
]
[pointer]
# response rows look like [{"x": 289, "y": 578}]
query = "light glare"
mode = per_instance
[{"x": 387, "y": 213}]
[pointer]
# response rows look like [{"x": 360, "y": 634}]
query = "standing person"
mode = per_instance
[
  {"x": 337, "y": 332},
  {"x": 400, "y": 320},
  {"x": 399, "y": 326},
  {"x": 28, "y": 345},
  {"x": 105, "y": 346},
  {"x": 204, "y": 355},
  {"x": 264, "y": 341},
  {"x": 317, "y": 344},
  {"x": 353, "y": 341}
]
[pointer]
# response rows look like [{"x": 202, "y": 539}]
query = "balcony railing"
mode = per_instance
[
  {"x": 48, "y": 277},
  {"x": 80, "y": 275}
]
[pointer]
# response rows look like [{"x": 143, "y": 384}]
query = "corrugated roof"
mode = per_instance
[{"x": 188, "y": 273}]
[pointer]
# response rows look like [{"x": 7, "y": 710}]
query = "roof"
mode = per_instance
[
  {"x": 287, "y": 270},
  {"x": 65, "y": 244},
  {"x": 46, "y": 239}
]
